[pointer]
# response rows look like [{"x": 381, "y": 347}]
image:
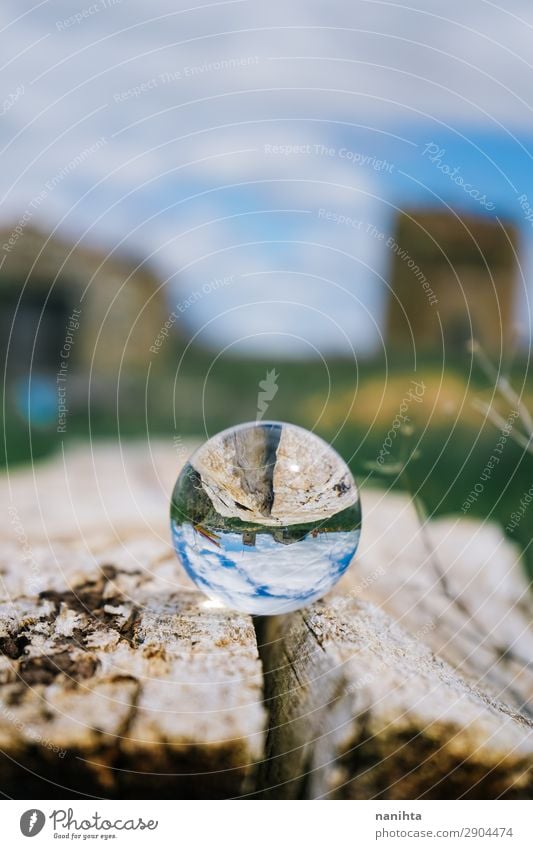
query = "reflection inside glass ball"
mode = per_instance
[{"x": 265, "y": 517}]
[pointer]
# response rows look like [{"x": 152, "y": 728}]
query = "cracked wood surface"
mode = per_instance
[
  {"x": 458, "y": 585},
  {"x": 116, "y": 677},
  {"x": 428, "y": 695}
]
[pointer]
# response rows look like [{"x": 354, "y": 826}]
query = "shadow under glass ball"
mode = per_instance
[{"x": 265, "y": 517}]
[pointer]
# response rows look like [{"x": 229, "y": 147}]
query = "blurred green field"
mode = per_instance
[{"x": 354, "y": 406}]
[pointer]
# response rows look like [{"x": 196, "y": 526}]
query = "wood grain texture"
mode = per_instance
[
  {"x": 412, "y": 680},
  {"x": 116, "y": 677},
  {"x": 456, "y": 584}
]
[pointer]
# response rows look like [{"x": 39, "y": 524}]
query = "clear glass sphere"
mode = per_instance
[{"x": 265, "y": 517}]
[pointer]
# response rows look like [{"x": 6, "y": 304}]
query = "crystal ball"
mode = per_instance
[{"x": 265, "y": 517}]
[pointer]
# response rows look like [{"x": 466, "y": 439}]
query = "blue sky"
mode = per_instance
[{"x": 214, "y": 119}]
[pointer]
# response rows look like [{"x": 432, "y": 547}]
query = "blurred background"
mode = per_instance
[{"x": 319, "y": 212}]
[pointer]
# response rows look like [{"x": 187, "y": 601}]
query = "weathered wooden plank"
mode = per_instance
[
  {"x": 426, "y": 695},
  {"x": 116, "y": 678},
  {"x": 456, "y": 584},
  {"x": 359, "y": 709}
]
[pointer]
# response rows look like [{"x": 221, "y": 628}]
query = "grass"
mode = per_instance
[{"x": 352, "y": 405}]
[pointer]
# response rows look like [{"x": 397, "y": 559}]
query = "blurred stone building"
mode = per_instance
[
  {"x": 48, "y": 286},
  {"x": 76, "y": 328},
  {"x": 453, "y": 277}
]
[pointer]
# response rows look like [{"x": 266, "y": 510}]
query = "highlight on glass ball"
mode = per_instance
[{"x": 265, "y": 517}]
